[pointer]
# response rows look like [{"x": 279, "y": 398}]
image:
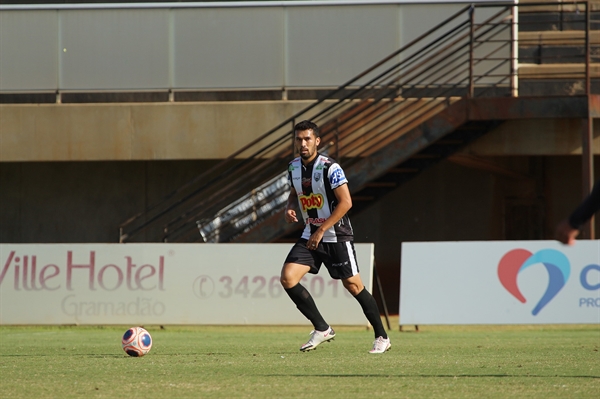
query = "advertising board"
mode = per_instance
[
  {"x": 500, "y": 282},
  {"x": 163, "y": 284}
]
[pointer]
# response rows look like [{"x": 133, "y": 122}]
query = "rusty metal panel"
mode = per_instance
[{"x": 594, "y": 105}]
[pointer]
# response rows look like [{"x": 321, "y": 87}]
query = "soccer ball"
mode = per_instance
[{"x": 136, "y": 342}]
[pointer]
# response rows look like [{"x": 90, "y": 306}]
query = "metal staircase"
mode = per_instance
[{"x": 386, "y": 125}]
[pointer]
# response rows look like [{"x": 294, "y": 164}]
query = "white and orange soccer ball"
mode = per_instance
[{"x": 136, "y": 342}]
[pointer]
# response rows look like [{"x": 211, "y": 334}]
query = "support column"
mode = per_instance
[
  {"x": 587, "y": 162},
  {"x": 587, "y": 133},
  {"x": 471, "y": 88},
  {"x": 514, "y": 52}
]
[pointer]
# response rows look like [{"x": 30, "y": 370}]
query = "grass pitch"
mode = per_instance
[{"x": 264, "y": 362}]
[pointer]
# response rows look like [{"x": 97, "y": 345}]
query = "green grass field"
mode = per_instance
[{"x": 264, "y": 362}]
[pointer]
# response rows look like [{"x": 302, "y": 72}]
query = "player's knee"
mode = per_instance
[
  {"x": 286, "y": 281},
  {"x": 353, "y": 288},
  {"x": 291, "y": 274}
]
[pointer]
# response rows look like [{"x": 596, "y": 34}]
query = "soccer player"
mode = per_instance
[
  {"x": 320, "y": 187},
  {"x": 568, "y": 229}
]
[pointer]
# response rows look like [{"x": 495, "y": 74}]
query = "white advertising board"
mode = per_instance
[
  {"x": 500, "y": 282},
  {"x": 163, "y": 284}
]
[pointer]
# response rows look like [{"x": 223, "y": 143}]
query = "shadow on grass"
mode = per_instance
[
  {"x": 95, "y": 355},
  {"x": 428, "y": 375}
]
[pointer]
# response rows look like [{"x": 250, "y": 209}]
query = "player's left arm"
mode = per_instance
[
  {"x": 342, "y": 193},
  {"x": 290, "y": 212}
]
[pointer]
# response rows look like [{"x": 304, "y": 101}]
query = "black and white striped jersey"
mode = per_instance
[{"x": 314, "y": 184}]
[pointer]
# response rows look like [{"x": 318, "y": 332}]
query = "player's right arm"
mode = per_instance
[
  {"x": 566, "y": 233},
  {"x": 567, "y": 230},
  {"x": 586, "y": 209},
  {"x": 290, "y": 212}
]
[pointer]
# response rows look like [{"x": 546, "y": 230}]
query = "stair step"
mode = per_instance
[
  {"x": 553, "y": 54},
  {"x": 557, "y": 38},
  {"x": 546, "y": 6},
  {"x": 557, "y": 71}
]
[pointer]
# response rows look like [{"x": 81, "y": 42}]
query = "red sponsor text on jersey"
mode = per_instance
[{"x": 312, "y": 201}]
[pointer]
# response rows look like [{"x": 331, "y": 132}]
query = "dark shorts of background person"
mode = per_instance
[{"x": 339, "y": 258}]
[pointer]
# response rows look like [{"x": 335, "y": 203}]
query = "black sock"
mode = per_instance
[
  {"x": 370, "y": 309},
  {"x": 306, "y": 305}
]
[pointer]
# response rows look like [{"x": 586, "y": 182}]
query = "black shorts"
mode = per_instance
[{"x": 338, "y": 257}]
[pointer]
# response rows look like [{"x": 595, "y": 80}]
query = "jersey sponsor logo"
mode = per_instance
[
  {"x": 319, "y": 167},
  {"x": 312, "y": 201},
  {"x": 316, "y": 221},
  {"x": 336, "y": 177},
  {"x": 306, "y": 182},
  {"x": 291, "y": 168}
]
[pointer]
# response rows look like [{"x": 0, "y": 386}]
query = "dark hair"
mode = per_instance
[{"x": 307, "y": 125}]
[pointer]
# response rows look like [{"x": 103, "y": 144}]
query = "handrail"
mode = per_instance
[
  {"x": 214, "y": 4},
  {"x": 273, "y": 130},
  {"x": 457, "y": 58}
]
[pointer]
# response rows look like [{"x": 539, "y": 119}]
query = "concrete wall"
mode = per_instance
[
  {"x": 78, "y": 202},
  {"x": 177, "y": 131},
  {"x": 153, "y": 131},
  {"x": 535, "y": 137}
]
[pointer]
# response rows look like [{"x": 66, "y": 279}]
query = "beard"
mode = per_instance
[{"x": 305, "y": 155}]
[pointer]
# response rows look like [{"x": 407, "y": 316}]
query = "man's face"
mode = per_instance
[{"x": 306, "y": 144}]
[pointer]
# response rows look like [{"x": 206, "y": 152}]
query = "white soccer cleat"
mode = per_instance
[
  {"x": 317, "y": 338},
  {"x": 380, "y": 345}
]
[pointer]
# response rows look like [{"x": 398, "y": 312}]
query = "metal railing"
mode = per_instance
[{"x": 465, "y": 56}]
